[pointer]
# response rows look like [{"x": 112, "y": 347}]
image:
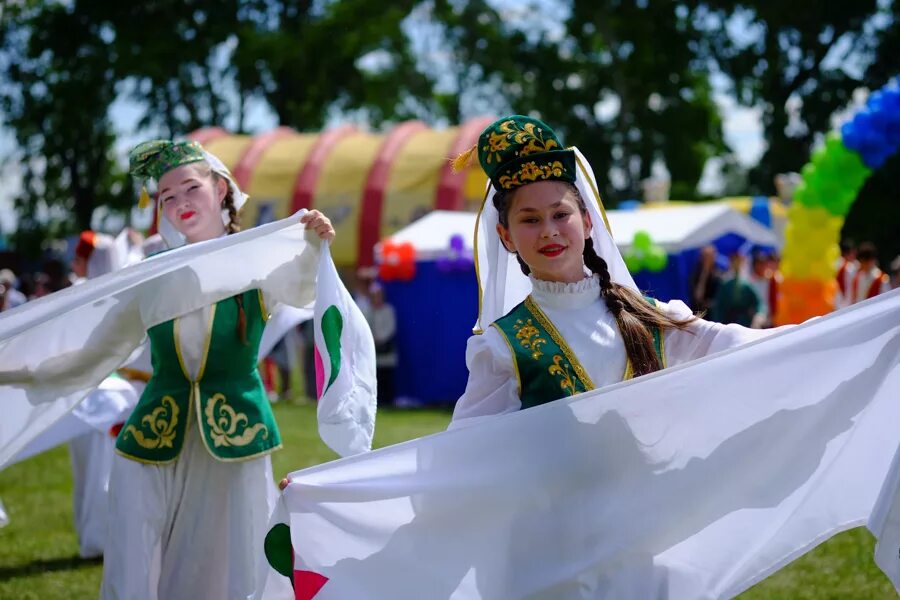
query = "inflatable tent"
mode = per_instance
[{"x": 369, "y": 185}]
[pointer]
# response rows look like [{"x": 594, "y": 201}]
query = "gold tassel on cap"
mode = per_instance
[
  {"x": 464, "y": 160},
  {"x": 144, "y": 200}
]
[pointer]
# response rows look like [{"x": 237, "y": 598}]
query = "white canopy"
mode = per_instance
[{"x": 675, "y": 228}]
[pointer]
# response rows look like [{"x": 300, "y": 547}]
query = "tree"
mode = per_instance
[
  {"x": 800, "y": 61},
  {"x": 621, "y": 81},
  {"x": 59, "y": 85},
  {"x": 311, "y": 59}
]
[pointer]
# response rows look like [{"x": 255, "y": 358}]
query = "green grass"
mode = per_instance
[{"x": 39, "y": 552}]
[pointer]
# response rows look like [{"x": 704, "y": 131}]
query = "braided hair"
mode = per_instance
[{"x": 634, "y": 316}]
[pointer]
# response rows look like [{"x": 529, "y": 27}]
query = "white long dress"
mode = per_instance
[
  {"x": 192, "y": 529},
  {"x": 590, "y": 330}
]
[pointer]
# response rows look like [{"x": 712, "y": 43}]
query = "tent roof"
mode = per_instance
[
  {"x": 675, "y": 228},
  {"x": 679, "y": 228}
]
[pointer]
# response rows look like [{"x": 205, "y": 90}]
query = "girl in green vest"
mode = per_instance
[
  {"x": 559, "y": 314},
  {"x": 191, "y": 485}
]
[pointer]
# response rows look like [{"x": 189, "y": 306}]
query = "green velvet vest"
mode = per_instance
[
  {"x": 546, "y": 368},
  {"x": 226, "y": 399}
]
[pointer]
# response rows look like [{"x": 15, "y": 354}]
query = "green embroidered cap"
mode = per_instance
[
  {"x": 153, "y": 159},
  {"x": 517, "y": 150}
]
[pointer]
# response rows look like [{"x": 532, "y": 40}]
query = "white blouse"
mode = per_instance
[{"x": 581, "y": 316}]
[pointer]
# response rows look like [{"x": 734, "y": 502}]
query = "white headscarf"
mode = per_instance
[
  {"x": 501, "y": 283},
  {"x": 170, "y": 234}
]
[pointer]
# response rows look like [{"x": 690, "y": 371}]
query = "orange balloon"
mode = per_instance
[{"x": 802, "y": 299}]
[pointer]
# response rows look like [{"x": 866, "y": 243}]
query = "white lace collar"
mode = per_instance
[{"x": 556, "y": 294}]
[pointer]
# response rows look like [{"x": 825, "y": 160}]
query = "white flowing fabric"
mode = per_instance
[
  {"x": 55, "y": 350},
  {"x": 345, "y": 365},
  {"x": 502, "y": 285},
  {"x": 693, "y": 482}
]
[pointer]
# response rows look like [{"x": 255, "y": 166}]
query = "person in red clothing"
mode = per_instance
[
  {"x": 868, "y": 280},
  {"x": 846, "y": 269}
]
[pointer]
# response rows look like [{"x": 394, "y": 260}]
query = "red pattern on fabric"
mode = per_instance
[{"x": 307, "y": 584}]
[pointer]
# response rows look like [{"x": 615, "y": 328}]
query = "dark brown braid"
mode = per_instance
[{"x": 634, "y": 315}]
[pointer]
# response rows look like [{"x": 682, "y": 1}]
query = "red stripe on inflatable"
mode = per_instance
[
  {"x": 373, "y": 192},
  {"x": 205, "y": 135},
  {"x": 243, "y": 170},
  {"x": 450, "y": 185},
  {"x": 308, "y": 177}
]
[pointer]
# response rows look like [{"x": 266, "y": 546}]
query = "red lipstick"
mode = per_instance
[
  {"x": 187, "y": 215},
  {"x": 552, "y": 250}
]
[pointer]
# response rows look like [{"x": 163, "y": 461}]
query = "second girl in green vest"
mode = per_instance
[{"x": 575, "y": 320}]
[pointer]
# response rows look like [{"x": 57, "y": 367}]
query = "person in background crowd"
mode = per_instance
[
  {"x": 763, "y": 279},
  {"x": 383, "y": 321},
  {"x": 12, "y": 296},
  {"x": 705, "y": 281},
  {"x": 737, "y": 301},
  {"x": 846, "y": 269},
  {"x": 868, "y": 280},
  {"x": 57, "y": 274},
  {"x": 365, "y": 279}
]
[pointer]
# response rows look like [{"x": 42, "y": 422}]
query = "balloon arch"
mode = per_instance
[{"x": 829, "y": 186}]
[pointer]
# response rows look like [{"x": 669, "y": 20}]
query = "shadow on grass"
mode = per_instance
[{"x": 69, "y": 563}]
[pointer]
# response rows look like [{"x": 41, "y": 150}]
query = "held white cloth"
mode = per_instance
[
  {"x": 501, "y": 283},
  {"x": 694, "y": 482},
  {"x": 345, "y": 364},
  {"x": 54, "y": 350}
]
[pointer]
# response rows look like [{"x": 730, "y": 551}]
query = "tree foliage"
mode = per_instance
[{"x": 627, "y": 81}]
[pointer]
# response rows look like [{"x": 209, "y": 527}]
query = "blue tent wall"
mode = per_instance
[{"x": 435, "y": 314}]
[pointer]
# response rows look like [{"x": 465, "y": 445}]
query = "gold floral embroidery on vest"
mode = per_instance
[
  {"x": 224, "y": 422},
  {"x": 561, "y": 369},
  {"x": 529, "y": 337},
  {"x": 531, "y": 171},
  {"x": 161, "y": 422},
  {"x": 511, "y": 132}
]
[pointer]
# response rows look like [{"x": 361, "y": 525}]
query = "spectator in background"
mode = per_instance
[
  {"x": 868, "y": 280},
  {"x": 705, "y": 281},
  {"x": 895, "y": 273},
  {"x": 40, "y": 286},
  {"x": 383, "y": 321},
  {"x": 846, "y": 269},
  {"x": 12, "y": 296},
  {"x": 737, "y": 301},
  {"x": 57, "y": 274},
  {"x": 365, "y": 279},
  {"x": 763, "y": 279}
]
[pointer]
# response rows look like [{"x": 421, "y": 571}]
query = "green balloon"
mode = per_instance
[
  {"x": 656, "y": 260},
  {"x": 633, "y": 262},
  {"x": 642, "y": 240}
]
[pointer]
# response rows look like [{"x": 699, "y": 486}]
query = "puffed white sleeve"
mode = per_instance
[
  {"x": 702, "y": 337},
  {"x": 493, "y": 388}
]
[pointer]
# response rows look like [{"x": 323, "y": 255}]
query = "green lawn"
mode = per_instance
[{"x": 39, "y": 554}]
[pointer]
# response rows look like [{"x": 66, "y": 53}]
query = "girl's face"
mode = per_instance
[
  {"x": 548, "y": 230},
  {"x": 192, "y": 202}
]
